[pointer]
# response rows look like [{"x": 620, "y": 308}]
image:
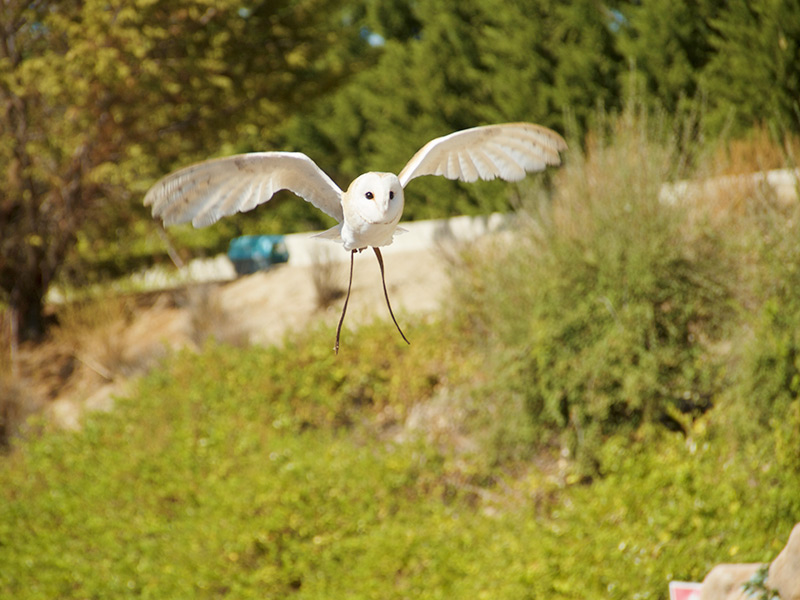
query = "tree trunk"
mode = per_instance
[{"x": 27, "y": 306}]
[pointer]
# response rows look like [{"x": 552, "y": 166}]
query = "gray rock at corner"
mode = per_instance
[
  {"x": 725, "y": 582},
  {"x": 784, "y": 572}
]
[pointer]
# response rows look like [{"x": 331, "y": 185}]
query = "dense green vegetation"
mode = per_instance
[
  {"x": 605, "y": 316},
  {"x": 223, "y": 476},
  {"x": 611, "y": 399},
  {"x": 614, "y": 403},
  {"x": 99, "y": 99}
]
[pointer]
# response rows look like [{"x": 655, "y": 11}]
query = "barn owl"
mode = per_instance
[{"x": 368, "y": 213}]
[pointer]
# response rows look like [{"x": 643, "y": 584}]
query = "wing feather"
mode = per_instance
[
  {"x": 484, "y": 164},
  {"x": 506, "y": 163},
  {"x": 229, "y": 194},
  {"x": 205, "y": 192},
  {"x": 507, "y": 151},
  {"x": 190, "y": 201},
  {"x": 469, "y": 172}
]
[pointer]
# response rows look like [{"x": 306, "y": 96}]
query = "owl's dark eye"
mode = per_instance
[
  {"x": 369, "y": 195},
  {"x": 391, "y": 195}
]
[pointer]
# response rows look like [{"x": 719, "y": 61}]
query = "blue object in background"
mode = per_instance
[{"x": 251, "y": 253}]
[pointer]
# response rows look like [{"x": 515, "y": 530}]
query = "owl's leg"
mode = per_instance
[
  {"x": 346, "y": 300},
  {"x": 385, "y": 293}
]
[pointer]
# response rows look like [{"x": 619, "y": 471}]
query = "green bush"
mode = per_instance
[
  {"x": 772, "y": 363},
  {"x": 604, "y": 306},
  {"x": 766, "y": 398},
  {"x": 225, "y": 474}
]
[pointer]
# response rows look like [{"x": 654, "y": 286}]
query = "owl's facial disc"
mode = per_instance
[{"x": 377, "y": 197}]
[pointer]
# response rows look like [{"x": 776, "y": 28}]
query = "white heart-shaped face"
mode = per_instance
[{"x": 377, "y": 198}]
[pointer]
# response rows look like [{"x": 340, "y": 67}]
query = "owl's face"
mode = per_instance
[{"x": 376, "y": 197}]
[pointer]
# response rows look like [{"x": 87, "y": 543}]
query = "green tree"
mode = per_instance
[
  {"x": 667, "y": 45},
  {"x": 587, "y": 65},
  {"x": 755, "y": 73},
  {"x": 391, "y": 19},
  {"x": 470, "y": 63},
  {"x": 97, "y": 98}
]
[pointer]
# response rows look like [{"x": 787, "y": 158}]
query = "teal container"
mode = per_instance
[{"x": 251, "y": 253}]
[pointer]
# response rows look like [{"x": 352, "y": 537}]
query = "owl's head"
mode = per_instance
[{"x": 376, "y": 197}]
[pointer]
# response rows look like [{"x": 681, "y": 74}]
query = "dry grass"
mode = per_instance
[
  {"x": 208, "y": 319},
  {"x": 18, "y": 397},
  {"x": 92, "y": 329},
  {"x": 327, "y": 275},
  {"x": 759, "y": 151},
  {"x": 730, "y": 196},
  {"x": 102, "y": 340},
  {"x": 17, "y": 403}
]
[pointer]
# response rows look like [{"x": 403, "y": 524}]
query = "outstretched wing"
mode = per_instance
[
  {"x": 507, "y": 151},
  {"x": 206, "y": 192}
]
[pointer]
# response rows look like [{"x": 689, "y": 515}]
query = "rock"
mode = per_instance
[
  {"x": 784, "y": 572},
  {"x": 724, "y": 582}
]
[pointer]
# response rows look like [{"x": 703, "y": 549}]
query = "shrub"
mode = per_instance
[
  {"x": 766, "y": 399},
  {"x": 228, "y": 474},
  {"x": 603, "y": 306}
]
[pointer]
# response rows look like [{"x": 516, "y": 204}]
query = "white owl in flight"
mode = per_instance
[{"x": 368, "y": 213}]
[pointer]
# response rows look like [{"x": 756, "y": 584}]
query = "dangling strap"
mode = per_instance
[
  {"x": 346, "y": 300},
  {"x": 385, "y": 293}
]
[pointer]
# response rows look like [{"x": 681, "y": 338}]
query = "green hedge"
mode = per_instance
[{"x": 231, "y": 474}]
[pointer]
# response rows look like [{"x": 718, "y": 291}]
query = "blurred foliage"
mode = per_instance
[
  {"x": 603, "y": 309},
  {"x": 767, "y": 396},
  {"x": 757, "y": 151},
  {"x": 471, "y": 63},
  {"x": 669, "y": 46},
  {"x": 612, "y": 400},
  {"x": 273, "y": 472},
  {"x": 754, "y": 73},
  {"x": 100, "y": 98},
  {"x": 536, "y": 439}
]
